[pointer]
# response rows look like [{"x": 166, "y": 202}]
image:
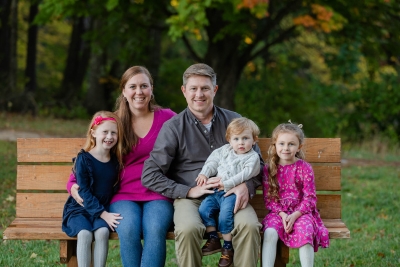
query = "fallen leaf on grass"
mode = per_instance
[
  {"x": 380, "y": 254},
  {"x": 34, "y": 255},
  {"x": 10, "y": 198},
  {"x": 383, "y": 216}
]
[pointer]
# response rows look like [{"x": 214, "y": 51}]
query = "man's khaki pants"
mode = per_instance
[{"x": 189, "y": 232}]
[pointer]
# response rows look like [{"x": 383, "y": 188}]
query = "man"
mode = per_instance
[{"x": 181, "y": 149}]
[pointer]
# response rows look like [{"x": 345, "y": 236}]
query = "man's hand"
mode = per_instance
[
  {"x": 199, "y": 190},
  {"x": 242, "y": 196},
  {"x": 216, "y": 182},
  {"x": 75, "y": 194}
]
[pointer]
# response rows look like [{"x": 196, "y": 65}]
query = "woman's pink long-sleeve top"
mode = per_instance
[{"x": 131, "y": 187}]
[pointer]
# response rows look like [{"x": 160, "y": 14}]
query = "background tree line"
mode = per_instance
[{"x": 331, "y": 65}]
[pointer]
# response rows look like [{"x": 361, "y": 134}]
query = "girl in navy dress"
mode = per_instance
[{"x": 96, "y": 168}]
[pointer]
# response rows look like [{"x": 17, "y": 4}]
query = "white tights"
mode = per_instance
[
  {"x": 84, "y": 247},
  {"x": 269, "y": 250}
]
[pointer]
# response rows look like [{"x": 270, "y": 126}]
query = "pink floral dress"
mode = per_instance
[{"x": 296, "y": 193}]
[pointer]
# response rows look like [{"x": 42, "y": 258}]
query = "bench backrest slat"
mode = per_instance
[
  {"x": 42, "y": 177},
  {"x": 48, "y": 149},
  {"x": 45, "y": 165},
  {"x": 54, "y": 177},
  {"x": 40, "y": 205},
  {"x": 316, "y": 149}
]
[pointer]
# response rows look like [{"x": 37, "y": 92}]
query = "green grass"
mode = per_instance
[
  {"x": 41, "y": 125},
  {"x": 370, "y": 208}
]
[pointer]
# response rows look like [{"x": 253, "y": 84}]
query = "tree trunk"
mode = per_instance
[
  {"x": 30, "y": 70},
  {"x": 77, "y": 62},
  {"x": 5, "y": 49},
  {"x": 223, "y": 57},
  {"x": 228, "y": 69},
  {"x": 96, "y": 96},
  {"x": 228, "y": 77},
  {"x": 13, "y": 48},
  {"x": 154, "y": 52},
  {"x": 96, "y": 99}
]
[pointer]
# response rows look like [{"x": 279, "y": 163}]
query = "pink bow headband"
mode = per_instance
[{"x": 100, "y": 119}]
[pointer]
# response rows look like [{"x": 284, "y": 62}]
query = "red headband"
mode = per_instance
[{"x": 100, "y": 119}]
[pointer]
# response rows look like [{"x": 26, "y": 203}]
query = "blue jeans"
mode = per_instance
[
  {"x": 215, "y": 203},
  {"x": 150, "y": 219}
]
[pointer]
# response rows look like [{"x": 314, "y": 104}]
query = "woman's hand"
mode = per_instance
[
  {"x": 111, "y": 219},
  {"x": 290, "y": 220},
  {"x": 75, "y": 194}
]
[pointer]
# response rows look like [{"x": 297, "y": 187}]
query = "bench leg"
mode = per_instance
[
  {"x": 68, "y": 253},
  {"x": 282, "y": 255}
]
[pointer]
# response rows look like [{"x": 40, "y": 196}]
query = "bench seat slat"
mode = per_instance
[
  {"x": 51, "y": 205},
  {"x": 50, "y": 228}
]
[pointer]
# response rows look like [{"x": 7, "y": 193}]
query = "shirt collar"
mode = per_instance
[{"x": 192, "y": 117}]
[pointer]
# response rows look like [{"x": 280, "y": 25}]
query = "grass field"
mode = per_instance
[{"x": 370, "y": 201}]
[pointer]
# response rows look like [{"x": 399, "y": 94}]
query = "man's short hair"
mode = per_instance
[{"x": 200, "y": 69}]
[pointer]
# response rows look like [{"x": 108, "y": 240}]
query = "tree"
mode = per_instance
[
  {"x": 8, "y": 40},
  {"x": 30, "y": 70},
  {"x": 126, "y": 33},
  {"x": 234, "y": 33},
  {"x": 77, "y": 61}
]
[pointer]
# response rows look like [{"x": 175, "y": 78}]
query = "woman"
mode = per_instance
[{"x": 145, "y": 213}]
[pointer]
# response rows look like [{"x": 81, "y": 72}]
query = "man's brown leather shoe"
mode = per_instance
[
  {"x": 213, "y": 245},
  {"x": 226, "y": 259}
]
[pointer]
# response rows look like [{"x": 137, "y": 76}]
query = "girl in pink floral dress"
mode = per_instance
[{"x": 289, "y": 195}]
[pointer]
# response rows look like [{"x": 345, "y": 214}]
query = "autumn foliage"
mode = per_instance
[{"x": 321, "y": 18}]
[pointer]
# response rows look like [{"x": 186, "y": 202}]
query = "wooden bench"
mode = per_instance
[{"x": 44, "y": 165}]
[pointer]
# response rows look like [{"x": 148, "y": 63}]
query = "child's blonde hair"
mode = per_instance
[
  {"x": 91, "y": 141},
  {"x": 238, "y": 125},
  {"x": 273, "y": 158}
]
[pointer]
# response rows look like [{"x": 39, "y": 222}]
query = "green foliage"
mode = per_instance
[
  {"x": 274, "y": 98},
  {"x": 353, "y": 113},
  {"x": 337, "y": 74},
  {"x": 167, "y": 88},
  {"x": 190, "y": 16}
]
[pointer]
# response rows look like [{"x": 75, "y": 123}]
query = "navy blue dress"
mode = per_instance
[{"x": 96, "y": 182}]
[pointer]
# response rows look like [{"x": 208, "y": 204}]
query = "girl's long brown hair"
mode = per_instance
[{"x": 273, "y": 158}]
